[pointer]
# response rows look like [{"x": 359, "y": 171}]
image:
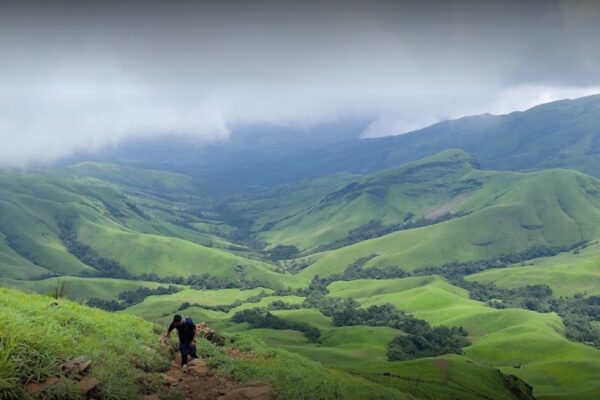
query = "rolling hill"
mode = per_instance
[
  {"x": 499, "y": 213},
  {"x": 53, "y": 225}
]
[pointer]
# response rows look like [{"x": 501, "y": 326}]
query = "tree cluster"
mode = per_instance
[
  {"x": 457, "y": 269},
  {"x": 260, "y": 318},
  {"x": 421, "y": 339},
  {"x": 130, "y": 298},
  {"x": 429, "y": 343},
  {"x": 225, "y": 307},
  {"x": 206, "y": 281}
]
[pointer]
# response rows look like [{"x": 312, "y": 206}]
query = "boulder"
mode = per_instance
[{"x": 251, "y": 391}]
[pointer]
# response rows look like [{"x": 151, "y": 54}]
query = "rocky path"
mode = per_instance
[{"x": 198, "y": 382}]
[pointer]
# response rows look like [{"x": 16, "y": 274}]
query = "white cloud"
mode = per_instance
[{"x": 88, "y": 76}]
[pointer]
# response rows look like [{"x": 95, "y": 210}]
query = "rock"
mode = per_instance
[
  {"x": 252, "y": 391},
  {"x": 35, "y": 388},
  {"x": 197, "y": 367},
  {"x": 151, "y": 397},
  {"x": 76, "y": 366},
  {"x": 87, "y": 385}
]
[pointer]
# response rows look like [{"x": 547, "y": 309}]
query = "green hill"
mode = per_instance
[
  {"x": 39, "y": 333},
  {"x": 501, "y": 214},
  {"x": 79, "y": 289},
  {"x": 102, "y": 230},
  {"x": 426, "y": 189}
]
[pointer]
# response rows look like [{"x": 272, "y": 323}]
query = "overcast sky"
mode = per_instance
[{"x": 83, "y": 74}]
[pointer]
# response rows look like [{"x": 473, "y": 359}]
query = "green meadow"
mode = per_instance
[{"x": 567, "y": 274}]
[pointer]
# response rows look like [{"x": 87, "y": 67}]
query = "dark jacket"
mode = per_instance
[{"x": 186, "y": 331}]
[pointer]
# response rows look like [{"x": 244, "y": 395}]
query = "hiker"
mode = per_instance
[{"x": 186, "y": 329}]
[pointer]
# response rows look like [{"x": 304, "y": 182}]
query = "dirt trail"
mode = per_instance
[{"x": 198, "y": 382}]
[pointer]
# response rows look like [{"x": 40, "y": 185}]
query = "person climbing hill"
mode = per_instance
[{"x": 186, "y": 329}]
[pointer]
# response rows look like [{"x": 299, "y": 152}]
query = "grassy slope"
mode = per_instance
[
  {"x": 359, "y": 350},
  {"x": 567, "y": 274},
  {"x": 421, "y": 188},
  {"x": 126, "y": 355},
  {"x": 556, "y": 367},
  {"x": 511, "y": 213},
  {"x": 168, "y": 197},
  {"x": 36, "y": 337},
  {"x": 166, "y": 256}
]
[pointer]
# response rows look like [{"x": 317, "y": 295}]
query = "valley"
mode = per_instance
[{"x": 323, "y": 274}]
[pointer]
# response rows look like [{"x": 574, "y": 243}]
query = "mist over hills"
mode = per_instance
[{"x": 564, "y": 133}]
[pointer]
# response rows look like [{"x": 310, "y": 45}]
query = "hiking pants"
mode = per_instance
[{"x": 187, "y": 349}]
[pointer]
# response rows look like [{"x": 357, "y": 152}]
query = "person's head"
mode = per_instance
[{"x": 177, "y": 320}]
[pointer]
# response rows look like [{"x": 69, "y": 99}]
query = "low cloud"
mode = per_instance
[{"x": 80, "y": 76}]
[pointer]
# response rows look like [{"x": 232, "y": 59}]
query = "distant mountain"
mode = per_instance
[
  {"x": 260, "y": 154},
  {"x": 564, "y": 133}
]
